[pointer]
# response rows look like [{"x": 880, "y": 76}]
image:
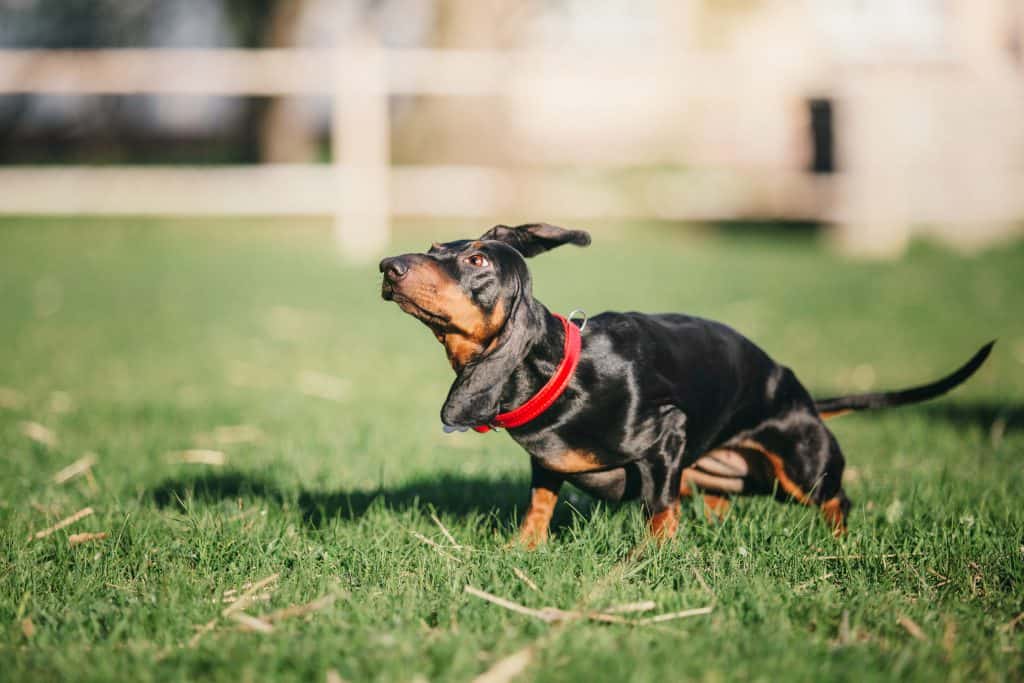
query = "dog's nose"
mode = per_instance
[{"x": 394, "y": 268}]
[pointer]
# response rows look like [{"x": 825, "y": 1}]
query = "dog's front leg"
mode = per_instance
[
  {"x": 544, "y": 487},
  {"x": 664, "y": 474},
  {"x": 663, "y": 506}
]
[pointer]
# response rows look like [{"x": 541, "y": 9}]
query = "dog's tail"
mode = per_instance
[{"x": 834, "y": 407}]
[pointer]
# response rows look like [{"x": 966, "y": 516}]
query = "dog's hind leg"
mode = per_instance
[
  {"x": 807, "y": 465},
  {"x": 718, "y": 474},
  {"x": 835, "y": 510}
]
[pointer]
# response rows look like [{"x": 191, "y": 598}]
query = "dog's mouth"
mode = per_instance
[{"x": 435, "y": 321}]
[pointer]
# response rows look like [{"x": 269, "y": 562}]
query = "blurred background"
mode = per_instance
[
  {"x": 880, "y": 119},
  {"x": 194, "y": 195}
]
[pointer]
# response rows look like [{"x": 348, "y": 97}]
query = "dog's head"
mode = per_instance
[{"x": 477, "y": 299}]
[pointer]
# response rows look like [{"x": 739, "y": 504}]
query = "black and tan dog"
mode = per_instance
[{"x": 649, "y": 407}]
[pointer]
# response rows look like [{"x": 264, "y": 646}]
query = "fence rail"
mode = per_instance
[
  {"x": 416, "y": 191},
  {"x": 298, "y": 71},
  {"x": 360, "y": 187}
]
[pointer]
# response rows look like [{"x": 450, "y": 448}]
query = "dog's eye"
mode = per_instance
[{"x": 478, "y": 261}]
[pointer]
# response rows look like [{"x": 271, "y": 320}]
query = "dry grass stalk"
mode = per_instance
[
  {"x": 508, "y": 668},
  {"x": 684, "y": 614},
  {"x": 514, "y": 665},
  {"x": 28, "y": 629},
  {"x": 204, "y": 629},
  {"x": 949, "y": 637},
  {"x": 845, "y": 636},
  {"x": 301, "y": 610},
  {"x": 238, "y": 602},
  {"x": 977, "y": 579},
  {"x": 600, "y": 617},
  {"x": 631, "y": 607},
  {"x": 888, "y": 556},
  {"x": 251, "y": 623},
  {"x": 67, "y": 521},
  {"x": 911, "y": 627},
  {"x": 91, "y": 480},
  {"x": 75, "y": 469},
  {"x": 245, "y": 598},
  {"x": 245, "y": 586},
  {"x": 807, "y": 584},
  {"x": 228, "y": 599},
  {"x": 525, "y": 579},
  {"x": 553, "y": 615},
  {"x": 39, "y": 434},
  {"x": 79, "y": 539},
  {"x": 703, "y": 584},
  {"x": 550, "y": 616},
  {"x": 198, "y": 456},
  {"x": 1012, "y": 624},
  {"x": 447, "y": 534},
  {"x": 435, "y": 546}
]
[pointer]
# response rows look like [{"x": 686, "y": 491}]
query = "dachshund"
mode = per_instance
[{"x": 634, "y": 406}]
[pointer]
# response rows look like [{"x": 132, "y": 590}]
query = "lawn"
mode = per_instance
[{"x": 140, "y": 341}]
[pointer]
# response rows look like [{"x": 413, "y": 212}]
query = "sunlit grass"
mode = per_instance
[{"x": 137, "y": 342}]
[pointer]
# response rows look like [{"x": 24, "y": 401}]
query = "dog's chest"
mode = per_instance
[{"x": 658, "y": 435}]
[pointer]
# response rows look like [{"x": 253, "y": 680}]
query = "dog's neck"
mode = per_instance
[
  {"x": 527, "y": 356},
  {"x": 543, "y": 355}
]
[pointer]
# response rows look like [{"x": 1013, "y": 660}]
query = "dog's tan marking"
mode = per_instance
[
  {"x": 573, "y": 461},
  {"x": 832, "y": 510},
  {"x": 534, "y": 529},
  {"x": 460, "y": 350},
  {"x": 779, "y": 469},
  {"x": 664, "y": 524},
  {"x": 715, "y": 507},
  {"x": 829, "y": 414},
  {"x": 467, "y": 330},
  {"x": 474, "y": 330}
]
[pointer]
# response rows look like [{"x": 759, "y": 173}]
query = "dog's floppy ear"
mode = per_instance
[
  {"x": 535, "y": 238},
  {"x": 474, "y": 398}
]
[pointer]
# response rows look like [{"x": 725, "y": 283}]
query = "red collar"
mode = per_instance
[{"x": 550, "y": 392}]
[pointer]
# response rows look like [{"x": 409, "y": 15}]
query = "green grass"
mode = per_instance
[{"x": 134, "y": 339}]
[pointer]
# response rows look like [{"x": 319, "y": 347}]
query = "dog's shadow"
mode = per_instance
[
  {"x": 499, "y": 501},
  {"x": 982, "y": 414}
]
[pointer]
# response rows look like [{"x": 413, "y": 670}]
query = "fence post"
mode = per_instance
[{"x": 360, "y": 148}]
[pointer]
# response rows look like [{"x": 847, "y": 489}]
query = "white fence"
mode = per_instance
[
  {"x": 738, "y": 125},
  {"x": 360, "y": 187}
]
